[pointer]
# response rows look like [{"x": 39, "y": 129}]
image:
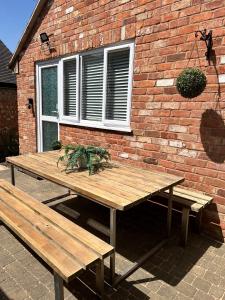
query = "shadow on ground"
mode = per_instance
[
  {"x": 138, "y": 230},
  {"x": 3, "y": 296}
]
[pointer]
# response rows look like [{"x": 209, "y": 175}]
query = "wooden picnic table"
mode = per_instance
[{"x": 118, "y": 188}]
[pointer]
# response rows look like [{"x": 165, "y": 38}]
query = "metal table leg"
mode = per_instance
[
  {"x": 169, "y": 215},
  {"x": 141, "y": 260},
  {"x": 58, "y": 283},
  {"x": 112, "y": 242},
  {"x": 100, "y": 278},
  {"x": 12, "y": 175}
]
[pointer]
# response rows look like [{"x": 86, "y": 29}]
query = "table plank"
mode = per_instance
[
  {"x": 103, "y": 178},
  {"x": 83, "y": 187},
  {"x": 118, "y": 187},
  {"x": 128, "y": 176},
  {"x": 158, "y": 179}
]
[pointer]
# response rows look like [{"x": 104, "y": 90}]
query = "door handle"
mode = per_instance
[{"x": 56, "y": 112}]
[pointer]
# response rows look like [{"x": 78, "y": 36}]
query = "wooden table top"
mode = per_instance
[{"x": 119, "y": 187}]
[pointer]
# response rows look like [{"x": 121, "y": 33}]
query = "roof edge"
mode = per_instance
[{"x": 27, "y": 31}]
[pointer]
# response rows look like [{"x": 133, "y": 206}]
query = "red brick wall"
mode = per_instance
[
  {"x": 8, "y": 108},
  {"x": 183, "y": 137},
  {"x": 8, "y": 117}
]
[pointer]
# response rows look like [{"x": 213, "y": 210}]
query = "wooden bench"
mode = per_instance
[
  {"x": 190, "y": 201},
  {"x": 64, "y": 246}
]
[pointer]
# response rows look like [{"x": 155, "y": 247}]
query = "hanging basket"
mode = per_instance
[{"x": 191, "y": 82}]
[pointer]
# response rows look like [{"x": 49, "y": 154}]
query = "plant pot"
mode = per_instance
[
  {"x": 82, "y": 163},
  {"x": 191, "y": 82}
]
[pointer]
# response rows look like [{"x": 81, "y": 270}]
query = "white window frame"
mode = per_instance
[
  {"x": 87, "y": 123},
  {"x": 77, "y": 120},
  {"x": 115, "y": 123},
  {"x": 63, "y": 118},
  {"x": 40, "y": 117}
]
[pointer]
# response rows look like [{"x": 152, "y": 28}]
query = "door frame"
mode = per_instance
[{"x": 40, "y": 118}]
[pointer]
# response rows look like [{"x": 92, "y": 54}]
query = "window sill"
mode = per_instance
[{"x": 97, "y": 126}]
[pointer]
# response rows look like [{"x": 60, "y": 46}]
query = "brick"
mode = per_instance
[
  {"x": 129, "y": 20},
  {"x": 188, "y": 153},
  {"x": 201, "y": 17},
  {"x": 167, "y": 291},
  {"x": 69, "y": 10},
  {"x": 186, "y": 289},
  {"x": 175, "y": 57},
  {"x": 202, "y": 295},
  {"x": 202, "y": 284},
  {"x": 170, "y": 105},
  {"x": 219, "y": 12},
  {"x": 222, "y": 78},
  {"x": 177, "y": 144},
  {"x": 177, "y": 128},
  {"x": 164, "y": 82},
  {"x": 216, "y": 291},
  {"x": 214, "y": 4},
  {"x": 150, "y": 160},
  {"x": 180, "y": 5}
]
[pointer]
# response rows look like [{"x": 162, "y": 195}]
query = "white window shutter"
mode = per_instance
[
  {"x": 70, "y": 88},
  {"x": 92, "y": 87},
  {"x": 117, "y": 85}
]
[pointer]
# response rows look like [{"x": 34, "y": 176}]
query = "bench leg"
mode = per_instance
[
  {"x": 12, "y": 175},
  {"x": 198, "y": 222},
  {"x": 112, "y": 243},
  {"x": 100, "y": 278},
  {"x": 169, "y": 215},
  {"x": 58, "y": 283},
  {"x": 185, "y": 225}
]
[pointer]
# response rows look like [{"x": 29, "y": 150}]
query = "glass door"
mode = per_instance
[{"x": 48, "y": 107}]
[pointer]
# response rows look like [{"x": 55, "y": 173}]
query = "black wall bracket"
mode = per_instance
[{"x": 207, "y": 37}]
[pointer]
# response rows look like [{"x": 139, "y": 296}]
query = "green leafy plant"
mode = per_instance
[
  {"x": 56, "y": 145},
  {"x": 81, "y": 157},
  {"x": 191, "y": 82}
]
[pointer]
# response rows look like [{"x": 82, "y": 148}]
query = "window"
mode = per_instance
[
  {"x": 70, "y": 88},
  {"x": 117, "y": 85},
  {"x": 92, "y": 87},
  {"x": 96, "y": 88}
]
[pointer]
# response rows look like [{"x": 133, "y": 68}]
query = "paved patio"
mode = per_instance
[{"x": 197, "y": 272}]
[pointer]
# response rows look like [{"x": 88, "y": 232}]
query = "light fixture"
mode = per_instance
[
  {"x": 30, "y": 103},
  {"x": 44, "y": 37},
  {"x": 207, "y": 38},
  {"x": 45, "y": 41}
]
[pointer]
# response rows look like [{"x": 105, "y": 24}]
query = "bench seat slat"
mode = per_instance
[
  {"x": 63, "y": 245},
  {"x": 198, "y": 196},
  {"x": 64, "y": 265},
  {"x": 89, "y": 240},
  {"x": 192, "y": 199},
  {"x": 70, "y": 246}
]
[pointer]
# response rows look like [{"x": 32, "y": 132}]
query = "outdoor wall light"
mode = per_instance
[
  {"x": 208, "y": 41},
  {"x": 30, "y": 103},
  {"x": 44, "y": 37},
  {"x": 45, "y": 40}
]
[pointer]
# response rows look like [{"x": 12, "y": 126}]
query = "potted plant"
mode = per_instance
[
  {"x": 80, "y": 157},
  {"x": 191, "y": 82},
  {"x": 56, "y": 145}
]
